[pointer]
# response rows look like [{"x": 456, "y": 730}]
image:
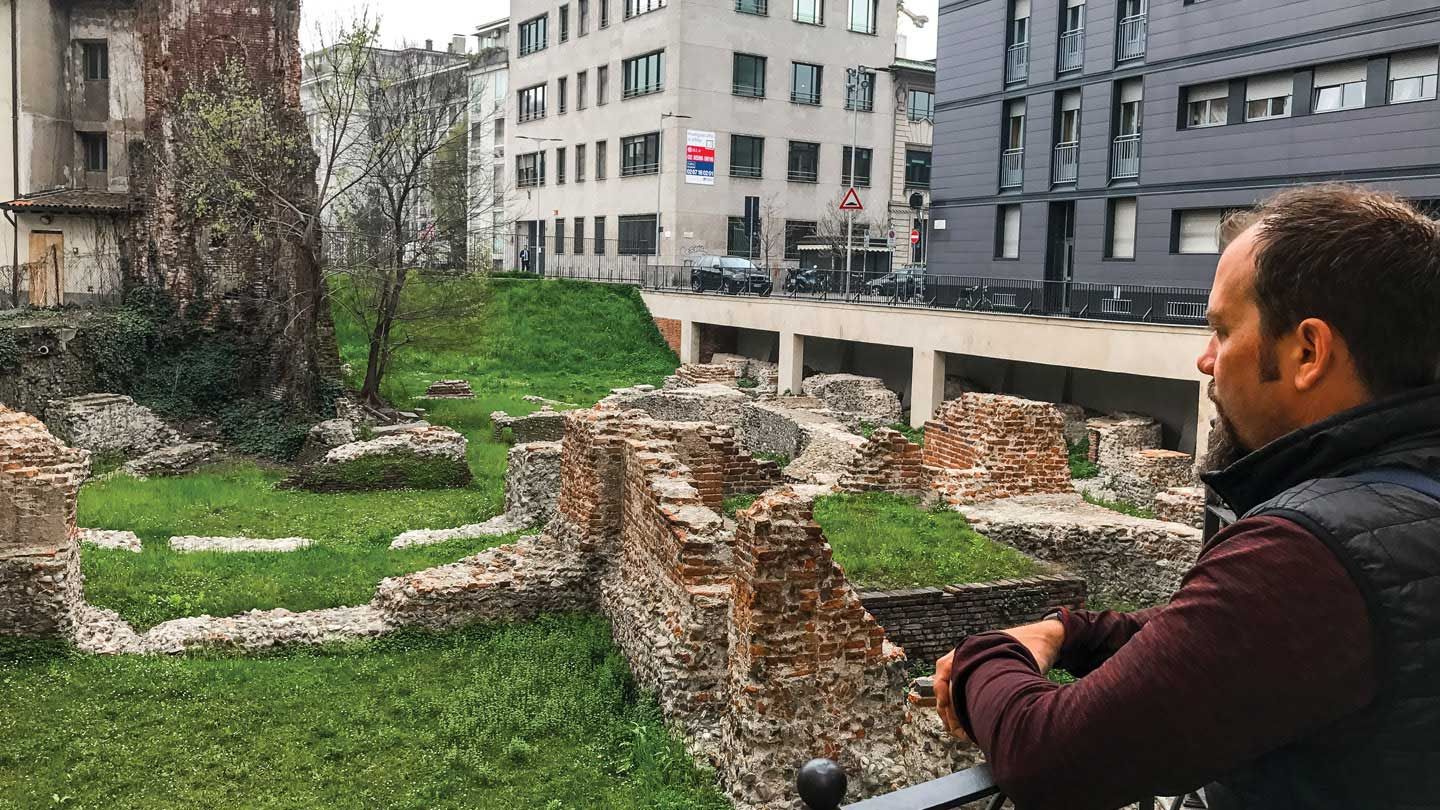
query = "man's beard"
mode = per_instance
[{"x": 1225, "y": 447}]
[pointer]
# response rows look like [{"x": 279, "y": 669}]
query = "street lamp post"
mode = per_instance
[
  {"x": 539, "y": 243},
  {"x": 659, "y": 169}
]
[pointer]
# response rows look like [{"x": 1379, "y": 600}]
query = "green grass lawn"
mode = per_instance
[
  {"x": 888, "y": 541},
  {"x": 564, "y": 340},
  {"x": 537, "y": 716}
]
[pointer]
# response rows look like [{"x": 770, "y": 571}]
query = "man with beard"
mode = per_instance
[{"x": 1298, "y": 666}]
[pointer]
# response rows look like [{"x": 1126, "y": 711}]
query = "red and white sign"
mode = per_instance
[
  {"x": 699, "y": 157},
  {"x": 851, "y": 201},
  {"x": 915, "y": 237}
]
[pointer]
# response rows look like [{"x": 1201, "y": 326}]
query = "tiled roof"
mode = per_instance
[{"x": 71, "y": 201}]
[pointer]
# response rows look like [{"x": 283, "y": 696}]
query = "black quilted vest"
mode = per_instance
[{"x": 1388, "y": 537}]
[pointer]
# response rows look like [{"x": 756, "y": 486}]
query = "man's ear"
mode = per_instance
[{"x": 1318, "y": 351}]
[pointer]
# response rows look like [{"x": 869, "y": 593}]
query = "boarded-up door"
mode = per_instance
[{"x": 47, "y": 268}]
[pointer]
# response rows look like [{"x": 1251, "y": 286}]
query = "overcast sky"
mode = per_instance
[{"x": 404, "y": 20}]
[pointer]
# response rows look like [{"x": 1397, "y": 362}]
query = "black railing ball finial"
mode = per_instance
[{"x": 822, "y": 784}]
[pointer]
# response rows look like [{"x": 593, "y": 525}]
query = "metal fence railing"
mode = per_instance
[
  {"x": 1072, "y": 51},
  {"x": 1130, "y": 40},
  {"x": 1125, "y": 157},
  {"x": 1017, "y": 62}
]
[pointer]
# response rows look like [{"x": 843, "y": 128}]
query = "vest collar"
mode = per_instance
[{"x": 1402, "y": 430}]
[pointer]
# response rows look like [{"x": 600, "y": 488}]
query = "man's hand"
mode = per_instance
[{"x": 1042, "y": 639}]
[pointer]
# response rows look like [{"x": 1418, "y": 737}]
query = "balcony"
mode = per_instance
[
  {"x": 1125, "y": 157},
  {"x": 1017, "y": 63},
  {"x": 1012, "y": 168},
  {"x": 1130, "y": 42},
  {"x": 1072, "y": 51},
  {"x": 1067, "y": 162}
]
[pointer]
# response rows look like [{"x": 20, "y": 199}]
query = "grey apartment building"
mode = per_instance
[{"x": 1102, "y": 140}]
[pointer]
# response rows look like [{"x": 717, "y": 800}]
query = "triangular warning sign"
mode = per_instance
[{"x": 851, "y": 201}]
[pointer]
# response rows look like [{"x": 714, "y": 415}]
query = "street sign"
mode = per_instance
[
  {"x": 851, "y": 201},
  {"x": 915, "y": 237}
]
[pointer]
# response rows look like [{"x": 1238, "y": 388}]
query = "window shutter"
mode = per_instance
[
  {"x": 1339, "y": 73},
  {"x": 1122, "y": 229},
  {"x": 1200, "y": 231},
  {"x": 1010, "y": 241},
  {"x": 1070, "y": 100},
  {"x": 1131, "y": 90},
  {"x": 1271, "y": 86},
  {"x": 1203, "y": 92},
  {"x": 1413, "y": 64},
  {"x": 1022, "y": 10},
  {"x": 1074, "y": 3}
]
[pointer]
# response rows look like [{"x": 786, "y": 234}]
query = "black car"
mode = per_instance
[
  {"x": 905, "y": 283},
  {"x": 807, "y": 280},
  {"x": 730, "y": 274}
]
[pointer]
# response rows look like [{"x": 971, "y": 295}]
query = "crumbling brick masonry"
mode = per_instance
[
  {"x": 987, "y": 446},
  {"x": 886, "y": 462}
]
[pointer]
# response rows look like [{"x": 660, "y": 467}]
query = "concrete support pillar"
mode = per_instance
[
  {"x": 689, "y": 342},
  {"x": 927, "y": 385},
  {"x": 792, "y": 363},
  {"x": 1204, "y": 414}
]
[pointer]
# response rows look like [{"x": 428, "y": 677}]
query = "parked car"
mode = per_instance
[
  {"x": 807, "y": 280},
  {"x": 730, "y": 274},
  {"x": 905, "y": 283}
]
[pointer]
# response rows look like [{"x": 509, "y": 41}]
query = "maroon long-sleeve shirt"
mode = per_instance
[{"x": 1267, "y": 641}]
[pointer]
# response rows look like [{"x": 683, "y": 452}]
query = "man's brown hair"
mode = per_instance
[{"x": 1363, "y": 261}]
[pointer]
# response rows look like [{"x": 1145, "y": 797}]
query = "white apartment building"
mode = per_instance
[
  {"x": 488, "y": 78},
  {"x": 617, "y": 106}
]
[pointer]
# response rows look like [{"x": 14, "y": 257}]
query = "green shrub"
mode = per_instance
[
  {"x": 1080, "y": 464},
  {"x": 735, "y": 503},
  {"x": 9, "y": 350},
  {"x": 748, "y": 382},
  {"x": 1123, "y": 507},
  {"x": 400, "y": 470}
]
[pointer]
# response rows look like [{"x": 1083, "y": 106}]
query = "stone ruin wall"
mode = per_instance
[
  {"x": 40, "y": 581},
  {"x": 990, "y": 446},
  {"x": 1133, "y": 466},
  {"x": 887, "y": 462}
]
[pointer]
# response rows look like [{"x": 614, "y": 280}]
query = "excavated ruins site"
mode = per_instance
[{"x": 761, "y": 652}]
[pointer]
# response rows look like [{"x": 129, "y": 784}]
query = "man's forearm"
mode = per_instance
[{"x": 1091, "y": 637}]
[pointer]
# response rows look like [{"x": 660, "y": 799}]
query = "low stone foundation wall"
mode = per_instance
[
  {"x": 858, "y": 399},
  {"x": 532, "y": 483},
  {"x": 108, "y": 423},
  {"x": 709, "y": 402},
  {"x": 544, "y": 425},
  {"x": 700, "y": 374},
  {"x": 930, "y": 622},
  {"x": 1181, "y": 505}
]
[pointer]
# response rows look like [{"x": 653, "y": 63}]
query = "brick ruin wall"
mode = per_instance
[
  {"x": 930, "y": 622},
  {"x": 699, "y": 374},
  {"x": 670, "y": 331},
  {"x": 40, "y": 581},
  {"x": 989, "y": 446},
  {"x": 886, "y": 462}
]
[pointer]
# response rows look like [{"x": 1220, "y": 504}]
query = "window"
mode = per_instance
[
  {"x": 1015, "y": 125},
  {"x": 1338, "y": 87},
  {"x": 1074, "y": 19},
  {"x": 863, "y": 14},
  {"x": 1412, "y": 76},
  {"x": 560, "y": 166},
  {"x": 917, "y": 168},
  {"x": 1198, "y": 231},
  {"x": 1268, "y": 96},
  {"x": 96, "y": 59},
  {"x": 599, "y": 236},
  {"x": 805, "y": 83},
  {"x": 761, "y": 7},
  {"x": 796, "y": 230},
  {"x": 96, "y": 146},
  {"x": 637, "y": 235},
  {"x": 582, "y": 16},
  {"x": 579, "y": 235},
  {"x": 530, "y": 170},
  {"x": 559, "y": 235},
  {"x": 1007, "y": 232},
  {"x": 1069, "y": 132},
  {"x": 804, "y": 166},
  {"x": 532, "y": 35},
  {"x": 748, "y": 75},
  {"x": 1120, "y": 243},
  {"x": 644, "y": 74},
  {"x": 921, "y": 105},
  {"x": 579, "y": 162},
  {"x": 634, "y": 8},
  {"x": 747, "y": 156},
  {"x": 640, "y": 154},
  {"x": 582, "y": 81},
  {"x": 862, "y": 159},
  {"x": 532, "y": 103},
  {"x": 564, "y": 23},
  {"x": 1129, "y": 113},
  {"x": 861, "y": 95},
  {"x": 1207, "y": 105},
  {"x": 562, "y": 85},
  {"x": 740, "y": 243},
  {"x": 600, "y": 150},
  {"x": 602, "y": 85},
  {"x": 1019, "y": 23},
  {"x": 500, "y": 134},
  {"x": 810, "y": 12},
  {"x": 497, "y": 183},
  {"x": 604, "y": 23}
]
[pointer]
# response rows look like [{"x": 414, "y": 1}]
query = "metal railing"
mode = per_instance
[
  {"x": 1067, "y": 162},
  {"x": 1130, "y": 43},
  {"x": 803, "y": 97},
  {"x": 745, "y": 171},
  {"x": 761, "y": 7},
  {"x": 748, "y": 89},
  {"x": 1012, "y": 168},
  {"x": 1017, "y": 62},
  {"x": 634, "y": 169},
  {"x": 803, "y": 175},
  {"x": 1125, "y": 157},
  {"x": 1072, "y": 50},
  {"x": 642, "y": 89},
  {"x": 821, "y": 784}
]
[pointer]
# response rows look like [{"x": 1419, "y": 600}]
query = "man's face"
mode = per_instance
[{"x": 1246, "y": 387}]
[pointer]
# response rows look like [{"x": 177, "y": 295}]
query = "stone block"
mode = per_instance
[
  {"x": 170, "y": 461},
  {"x": 859, "y": 399},
  {"x": 449, "y": 389},
  {"x": 108, "y": 423},
  {"x": 431, "y": 457}
]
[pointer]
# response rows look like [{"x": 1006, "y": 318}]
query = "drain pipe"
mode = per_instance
[{"x": 14, "y": 145}]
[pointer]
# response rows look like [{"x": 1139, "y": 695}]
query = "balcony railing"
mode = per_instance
[
  {"x": 805, "y": 97},
  {"x": 748, "y": 89},
  {"x": 741, "y": 170},
  {"x": 803, "y": 175},
  {"x": 1072, "y": 50},
  {"x": 634, "y": 169},
  {"x": 642, "y": 89},
  {"x": 1012, "y": 168},
  {"x": 761, "y": 7},
  {"x": 1017, "y": 63},
  {"x": 1067, "y": 162},
  {"x": 1131, "y": 41},
  {"x": 1125, "y": 157}
]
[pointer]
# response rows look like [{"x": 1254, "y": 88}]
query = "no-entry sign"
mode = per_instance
[{"x": 914, "y": 237}]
